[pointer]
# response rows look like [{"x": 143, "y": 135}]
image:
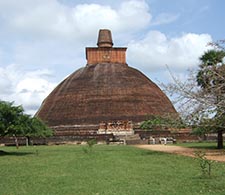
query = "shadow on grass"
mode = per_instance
[
  {"x": 201, "y": 145},
  {"x": 206, "y": 147},
  {"x": 153, "y": 153},
  {"x": 4, "y": 153}
]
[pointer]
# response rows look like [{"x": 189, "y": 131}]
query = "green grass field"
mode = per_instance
[
  {"x": 200, "y": 145},
  {"x": 106, "y": 170}
]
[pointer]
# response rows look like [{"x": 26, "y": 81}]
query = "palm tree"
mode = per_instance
[{"x": 211, "y": 79}]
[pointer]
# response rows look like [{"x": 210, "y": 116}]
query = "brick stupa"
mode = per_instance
[{"x": 105, "y": 91}]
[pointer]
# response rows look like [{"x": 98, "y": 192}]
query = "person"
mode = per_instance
[
  {"x": 164, "y": 139},
  {"x": 153, "y": 140}
]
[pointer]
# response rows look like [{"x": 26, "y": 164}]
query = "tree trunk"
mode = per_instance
[
  {"x": 16, "y": 141},
  {"x": 28, "y": 141},
  {"x": 220, "y": 139}
]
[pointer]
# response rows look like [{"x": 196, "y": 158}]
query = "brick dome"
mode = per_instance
[{"x": 106, "y": 89}]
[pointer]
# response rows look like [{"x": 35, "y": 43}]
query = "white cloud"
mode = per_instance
[
  {"x": 157, "y": 50},
  {"x": 52, "y": 19},
  {"x": 8, "y": 77},
  {"x": 134, "y": 15},
  {"x": 49, "y": 33},
  {"x": 164, "y": 18},
  {"x": 26, "y": 88},
  {"x": 47, "y": 53},
  {"x": 31, "y": 91}
]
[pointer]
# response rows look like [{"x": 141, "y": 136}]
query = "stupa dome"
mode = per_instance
[{"x": 106, "y": 89}]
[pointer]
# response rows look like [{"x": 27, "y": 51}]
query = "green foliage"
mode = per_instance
[
  {"x": 202, "y": 126},
  {"x": 204, "y": 163},
  {"x": 120, "y": 170},
  {"x": 90, "y": 144},
  {"x": 161, "y": 123},
  {"x": 211, "y": 69},
  {"x": 10, "y": 118},
  {"x": 13, "y": 122},
  {"x": 37, "y": 128},
  {"x": 199, "y": 131},
  {"x": 206, "y": 123}
]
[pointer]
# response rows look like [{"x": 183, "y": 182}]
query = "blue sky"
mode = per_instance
[{"x": 43, "y": 41}]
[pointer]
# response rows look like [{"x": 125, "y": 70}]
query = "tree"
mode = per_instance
[
  {"x": 211, "y": 73},
  {"x": 162, "y": 123},
  {"x": 9, "y": 118},
  {"x": 210, "y": 78},
  {"x": 33, "y": 127},
  {"x": 201, "y": 97},
  {"x": 13, "y": 122}
]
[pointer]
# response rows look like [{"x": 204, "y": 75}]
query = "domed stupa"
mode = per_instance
[{"x": 105, "y": 94}]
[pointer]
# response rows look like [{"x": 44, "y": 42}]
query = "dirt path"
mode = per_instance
[{"x": 218, "y": 155}]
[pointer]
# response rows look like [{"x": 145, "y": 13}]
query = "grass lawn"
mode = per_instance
[
  {"x": 200, "y": 145},
  {"x": 106, "y": 170}
]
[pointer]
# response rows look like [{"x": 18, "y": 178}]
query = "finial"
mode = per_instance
[{"x": 104, "y": 38}]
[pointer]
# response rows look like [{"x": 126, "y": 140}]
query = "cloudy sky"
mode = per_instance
[{"x": 43, "y": 41}]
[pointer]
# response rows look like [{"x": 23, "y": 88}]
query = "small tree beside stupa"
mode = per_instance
[{"x": 14, "y": 122}]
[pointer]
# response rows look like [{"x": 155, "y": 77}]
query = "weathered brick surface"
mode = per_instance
[
  {"x": 102, "y": 55},
  {"x": 104, "y": 92}
]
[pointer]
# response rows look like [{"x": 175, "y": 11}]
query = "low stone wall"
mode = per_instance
[
  {"x": 182, "y": 136},
  {"x": 137, "y": 142},
  {"x": 81, "y": 136},
  {"x": 76, "y": 139}
]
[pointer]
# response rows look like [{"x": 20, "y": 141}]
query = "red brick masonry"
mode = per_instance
[{"x": 96, "y": 55}]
